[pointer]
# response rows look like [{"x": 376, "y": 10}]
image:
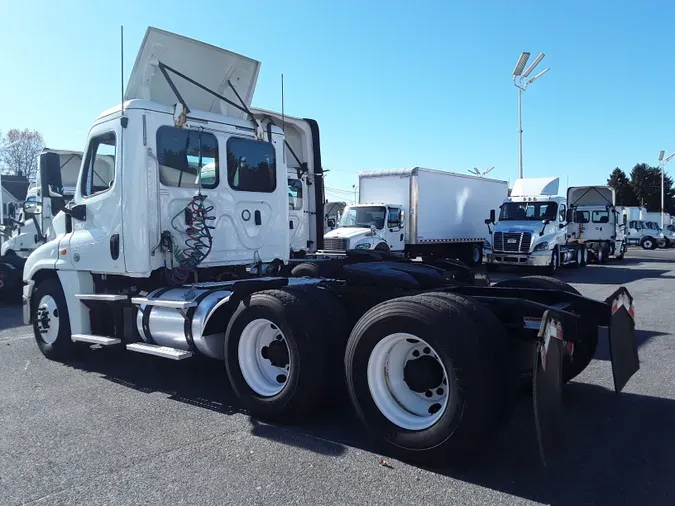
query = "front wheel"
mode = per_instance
[
  {"x": 648, "y": 243},
  {"x": 553, "y": 266},
  {"x": 51, "y": 326}
]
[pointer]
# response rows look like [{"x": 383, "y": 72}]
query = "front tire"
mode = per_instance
[
  {"x": 648, "y": 243},
  {"x": 51, "y": 325},
  {"x": 420, "y": 380},
  {"x": 553, "y": 266}
]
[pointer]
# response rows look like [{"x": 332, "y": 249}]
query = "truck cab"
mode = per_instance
[
  {"x": 532, "y": 226},
  {"x": 35, "y": 227},
  {"x": 376, "y": 227}
]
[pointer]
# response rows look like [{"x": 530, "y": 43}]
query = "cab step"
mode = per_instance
[
  {"x": 181, "y": 305},
  {"x": 91, "y": 339},
  {"x": 102, "y": 297},
  {"x": 159, "y": 351}
]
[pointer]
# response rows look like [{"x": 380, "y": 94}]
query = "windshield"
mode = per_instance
[
  {"x": 528, "y": 211},
  {"x": 363, "y": 217}
]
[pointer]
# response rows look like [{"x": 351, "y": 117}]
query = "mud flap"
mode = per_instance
[
  {"x": 547, "y": 385},
  {"x": 622, "y": 345}
]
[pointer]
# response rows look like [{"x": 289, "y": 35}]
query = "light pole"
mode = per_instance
[
  {"x": 520, "y": 76},
  {"x": 662, "y": 166},
  {"x": 2, "y": 204},
  {"x": 478, "y": 172}
]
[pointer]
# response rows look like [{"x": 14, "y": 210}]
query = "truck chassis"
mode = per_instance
[{"x": 432, "y": 356}]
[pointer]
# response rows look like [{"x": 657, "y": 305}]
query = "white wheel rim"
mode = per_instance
[
  {"x": 580, "y": 256},
  {"x": 476, "y": 254},
  {"x": 390, "y": 391},
  {"x": 648, "y": 244},
  {"x": 265, "y": 372},
  {"x": 47, "y": 319}
]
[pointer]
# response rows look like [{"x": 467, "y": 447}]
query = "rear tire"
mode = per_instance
[
  {"x": 51, "y": 325},
  {"x": 579, "y": 257},
  {"x": 448, "y": 419},
  {"x": 284, "y": 381},
  {"x": 604, "y": 247}
]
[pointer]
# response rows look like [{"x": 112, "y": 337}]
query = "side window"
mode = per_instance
[
  {"x": 600, "y": 217},
  {"x": 393, "y": 217},
  {"x": 294, "y": 194},
  {"x": 251, "y": 165},
  {"x": 187, "y": 158},
  {"x": 99, "y": 173}
]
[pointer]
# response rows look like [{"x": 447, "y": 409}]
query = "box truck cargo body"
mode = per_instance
[{"x": 419, "y": 212}]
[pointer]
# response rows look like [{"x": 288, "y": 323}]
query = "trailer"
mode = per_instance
[
  {"x": 418, "y": 212},
  {"x": 175, "y": 245}
]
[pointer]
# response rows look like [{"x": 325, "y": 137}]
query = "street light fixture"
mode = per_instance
[
  {"x": 519, "y": 81},
  {"x": 479, "y": 172},
  {"x": 662, "y": 165}
]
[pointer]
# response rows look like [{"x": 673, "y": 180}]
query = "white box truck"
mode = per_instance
[
  {"x": 418, "y": 212},
  {"x": 653, "y": 222}
]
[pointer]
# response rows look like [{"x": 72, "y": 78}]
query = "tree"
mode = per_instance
[
  {"x": 646, "y": 183},
  {"x": 625, "y": 196},
  {"x": 21, "y": 158}
]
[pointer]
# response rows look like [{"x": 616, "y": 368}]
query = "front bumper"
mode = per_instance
[{"x": 536, "y": 259}]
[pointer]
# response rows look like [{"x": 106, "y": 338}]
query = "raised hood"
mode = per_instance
[
  {"x": 590, "y": 196},
  {"x": 209, "y": 65},
  {"x": 534, "y": 186}
]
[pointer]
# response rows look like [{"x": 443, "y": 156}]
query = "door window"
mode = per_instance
[
  {"x": 393, "y": 218},
  {"x": 187, "y": 158},
  {"x": 294, "y": 194},
  {"x": 99, "y": 172},
  {"x": 251, "y": 165}
]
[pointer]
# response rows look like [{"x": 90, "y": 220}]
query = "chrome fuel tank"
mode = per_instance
[{"x": 183, "y": 329}]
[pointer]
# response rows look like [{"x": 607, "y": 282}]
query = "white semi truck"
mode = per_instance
[
  {"x": 597, "y": 224},
  {"x": 418, "y": 212},
  {"x": 637, "y": 231},
  {"x": 31, "y": 231},
  {"x": 180, "y": 248},
  {"x": 532, "y": 228},
  {"x": 653, "y": 222}
]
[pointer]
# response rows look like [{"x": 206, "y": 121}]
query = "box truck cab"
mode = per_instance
[
  {"x": 531, "y": 229},
  {"x": 418, "y": 212},
  {"x": 597, "y": 223},
  {"x": 637, "y": 232},
  {"x": 653, "y": 222}
]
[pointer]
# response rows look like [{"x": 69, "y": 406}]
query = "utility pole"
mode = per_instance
[{"x": 520, "y": 76}]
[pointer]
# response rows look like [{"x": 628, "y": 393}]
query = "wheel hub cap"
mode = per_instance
[{"x": 423, "y": 374}]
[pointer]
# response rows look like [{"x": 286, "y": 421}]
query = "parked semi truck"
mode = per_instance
[
  {"x": 532, "y": 228},
  {"x": 179, "y": 248},
  {"x": 597, "y": 224},
  {"x": 637, "y": 231},
  {"x": 418, "y": 213},
  {"x": 30, "y": 230}
]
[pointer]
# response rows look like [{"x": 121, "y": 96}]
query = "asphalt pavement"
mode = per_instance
[{"x": 122, "y": 428}]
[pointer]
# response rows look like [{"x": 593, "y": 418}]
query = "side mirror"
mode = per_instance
[
  {"x": 569, "y": 216},
  {"x": 331, "y": 223},
  {"x": 493, "y": 215},
  {"x": 546, "y": 222},
  {"x": 488, "y": 221},
  {"x": 50, "y": 173},
  {"x": 561, "y": 226},
  {"x": 31, "y": 207}
]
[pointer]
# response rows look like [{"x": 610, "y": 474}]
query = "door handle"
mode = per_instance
[
  {"x": 115, "y": 246},
  {"x": 258, "y": 218}
]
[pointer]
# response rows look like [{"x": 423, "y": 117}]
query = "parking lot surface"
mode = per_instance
[{"x": 123, "y": 428}]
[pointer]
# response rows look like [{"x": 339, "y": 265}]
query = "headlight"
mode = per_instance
[
  {"x": 363, "y": 245},
  {"x": 541, "y": 246}
]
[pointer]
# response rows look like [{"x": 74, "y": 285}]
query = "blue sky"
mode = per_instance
[{"x": 392, "y": 84}]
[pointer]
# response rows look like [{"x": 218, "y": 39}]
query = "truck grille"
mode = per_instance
[
  {"x": 335, "y": 244},
  {"x": 513, "y": 242}
]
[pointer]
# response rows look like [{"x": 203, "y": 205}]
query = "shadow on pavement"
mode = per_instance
[
  {"x": 619, "y": 450},
  {"x": 618, "y": 447},
  {"x": 10, "y": 318},
  {"x": 641, "y": 338},
  {"x": 614, "y": 275}
]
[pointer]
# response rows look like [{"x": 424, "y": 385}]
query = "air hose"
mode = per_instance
[{"x": 199, "y": 240}]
